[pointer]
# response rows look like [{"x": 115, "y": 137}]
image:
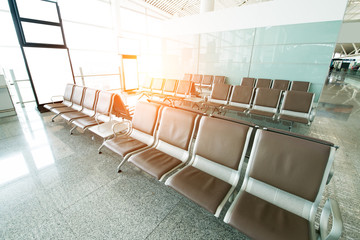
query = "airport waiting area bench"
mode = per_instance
[
  {"x": 196, "y": 155},
  {"x": 203, "y": 158}
]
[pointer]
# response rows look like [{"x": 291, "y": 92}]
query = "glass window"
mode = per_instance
[
  {"x": 50, "y": 71},
  {"x": 129, "y": 46},
  {"x": 40, "y": 33},
  {"x": 8, "y": 34},
  {"x": 81, "y": 36},
  {"x": 87, "y": 11},
  {"x": 39, "y": 10}
]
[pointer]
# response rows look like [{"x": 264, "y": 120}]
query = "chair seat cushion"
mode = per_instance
[
  {"x": 200, "y": 187},
  {"x": 86, "y": 122},
  {"x": 54, "y": 105},
  {"x": 69, "y": 116},
  {"x": 155, "y": 162},
  {"x": 123, "y": 145},
  {"x": 262, "y": 113},
  {"x": 294, "y": 119},
  {"x": 62, "y": 110},
  {"x": 234, "y": 108},
  {"x": 262, "y": 220}
]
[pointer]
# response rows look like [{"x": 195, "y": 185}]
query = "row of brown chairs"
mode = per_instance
[
  {"x": 284, "y": 180},
  {"x": 294, "y": 106},
  {"x": 204, "y": 81},
  {"x": 283, "y": 85},
  {"x": 161, "y": 87},
  {"x": 85, "y": 107}
]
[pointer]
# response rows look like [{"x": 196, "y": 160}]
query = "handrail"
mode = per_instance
[{"x": 99, "y": 75}]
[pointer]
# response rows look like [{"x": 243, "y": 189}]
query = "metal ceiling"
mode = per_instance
[
  {"x": 181, "y": 8},
  {"x": 352, "y": 12}
]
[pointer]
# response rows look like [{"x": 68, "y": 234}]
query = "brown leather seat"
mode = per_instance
[
  {"x": 66, "y": 98},
  {"x": 183, "y": 89},
  {"x": 263, "y": 83},
  {"x": 157, "y": 85},
  {"x": 215, "y": 169},
  {"x": 176, "y": 129},
  {"x": 281, "y": 84},
  {"x": 76, "y": 100},
  {"x": 141, "y": 134},
  {"x": 103, "y": 107},
  {"x": 88, "y": 106},
  {"x": 266, "y": 102},
  {"x": 240, "y": 99},
  {"x": 219, "y": 96},
  {"x": 187, "y": 77},
  {"x": 300, "y": 86},
  {"x": 219, "y": 79},
  {"x": 123, "y": 145},
  {"x": 261, "y": 220},
  {"x": 168, "y": 89},
  {"x": 207, "y": 81},
  {"x": 297, "y": 106},
  {"x": 201, "y": 187},
  {"x": 282, "y": 188},
  {"x": 248, "y": 81}
]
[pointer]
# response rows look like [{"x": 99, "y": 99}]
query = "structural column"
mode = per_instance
[{"x": 206, "y": 6}]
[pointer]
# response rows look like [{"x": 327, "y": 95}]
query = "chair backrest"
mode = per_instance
[
  {"x": 146, "y": 84},
  {"x": 197, "y": 78},
  {"x": 220, "y": 93},
  {"x": 215, "y": 142},
  {"x": 263, "y": 83},
  {"x": 297, "y": 103},
  {"x": 170, "y": 86},
  {"x": 187, "y": 77},
  {"x": 219, "y": 79},
  {"x": 176, "y": 129},
  {"x": 267, "y": 99},
  {"x": 241, "y": 96},
  {"x": 248, "y": 81},
  {"x": 157, "y": 85},
  {"x": 104, "y": 103},
  {"x": 207, "y": 80},
  {"x": 300, "y": 86},
  {"x": 281, "y": 84},
  {"x": 215, "y": 154},
  {"x": 77, "y": 95},
  {"x": 145, "y": 117},
  {"x": 89, "y": 101},
  {"x": 68, "y": 92},
  {"x": 289, "y": 172},
  {"x": 119, "y": 108},
  {"x": 183, "y": 88}
]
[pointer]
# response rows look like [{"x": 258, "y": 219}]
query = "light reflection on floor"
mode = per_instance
[{"x": 37, "y": 151}]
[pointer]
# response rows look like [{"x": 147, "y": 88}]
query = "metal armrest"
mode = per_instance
[
  {"x": 129, "y": 127},
  {"x": 331, "y": 174},
  {"x": 312, "y": 114},
  {"x": 57, "y": 96},
  {"x": 331, "y": 206}
]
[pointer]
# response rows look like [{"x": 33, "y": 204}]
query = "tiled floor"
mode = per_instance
[{"x": 56, "y": 186}]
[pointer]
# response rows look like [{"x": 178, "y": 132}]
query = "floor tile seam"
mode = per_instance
[
  {"x": 80, "y": 199},
  {"x": 162, "y": 220}
]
